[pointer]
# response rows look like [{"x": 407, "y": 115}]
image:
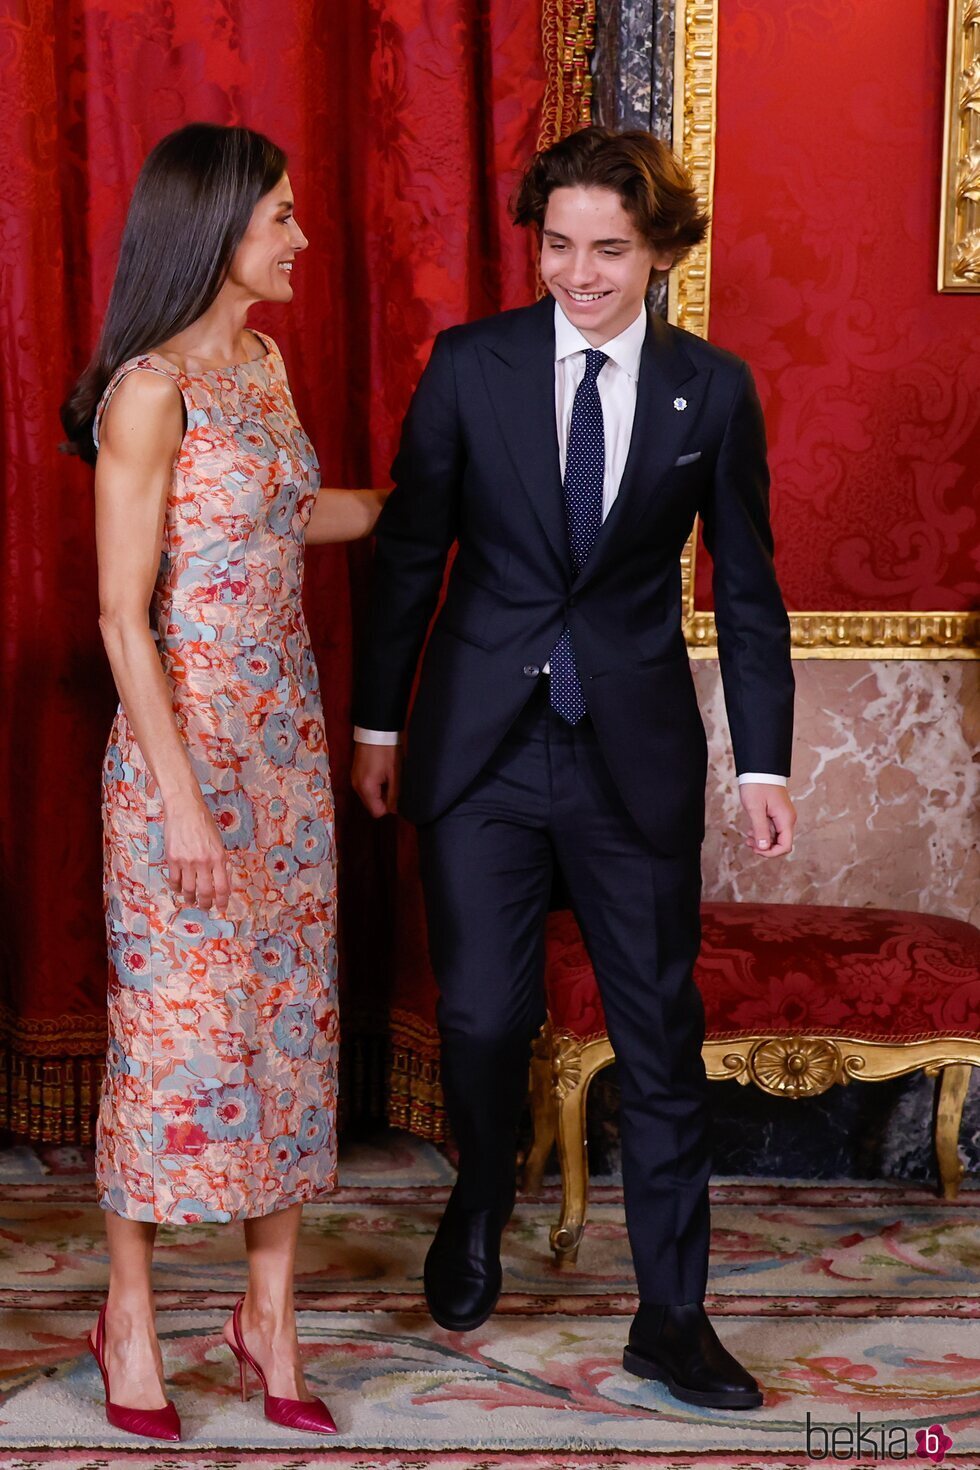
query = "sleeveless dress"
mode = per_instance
[{"x": 220, "y": 1091}]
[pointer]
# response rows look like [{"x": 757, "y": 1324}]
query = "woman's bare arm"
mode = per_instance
[
  {"x": 140, "y": 436},
  {"x": 344, "y": 515}
]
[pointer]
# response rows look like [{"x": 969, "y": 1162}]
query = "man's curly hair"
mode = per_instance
[{"x": 656, "y": 191}]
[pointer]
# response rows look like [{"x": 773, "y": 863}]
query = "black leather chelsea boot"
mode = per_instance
[
  {"x": 678, "y": 1346},
  {"x": 462, "y": 1269}
]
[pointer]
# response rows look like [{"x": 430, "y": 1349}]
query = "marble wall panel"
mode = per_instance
[
  {"x": 886, "y": 781},
  {"x": 633, "y": 65}
]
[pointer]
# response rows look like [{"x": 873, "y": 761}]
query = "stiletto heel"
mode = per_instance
[
  {"x": 150, "y": 1423},
  {"x": 311, "y": 1415}
]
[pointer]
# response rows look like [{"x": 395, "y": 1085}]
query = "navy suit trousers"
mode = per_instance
[{"x": 546, "y": 801}]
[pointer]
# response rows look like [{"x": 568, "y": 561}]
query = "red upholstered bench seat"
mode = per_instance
[
  {"x": 796, "y": 998},
  {"x": 873, "y": 974}
]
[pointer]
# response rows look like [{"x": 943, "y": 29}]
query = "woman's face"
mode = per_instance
[{"x": 262, "y": 265}]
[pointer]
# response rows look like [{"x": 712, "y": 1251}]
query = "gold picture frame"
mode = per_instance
[
  {"x": 959, "y": 229},
  {"x": 877, "y": 635}
]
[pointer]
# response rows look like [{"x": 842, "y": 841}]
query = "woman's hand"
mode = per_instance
[
  {"x": 344, "y": 515},
  {"x": 197, "y": 863}
]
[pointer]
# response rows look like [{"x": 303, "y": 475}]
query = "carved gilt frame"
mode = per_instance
[
  {"x": 874, "y": 635},
  {"x": 959, "y": 232}
]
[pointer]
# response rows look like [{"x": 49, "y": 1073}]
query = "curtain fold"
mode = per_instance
[{"x": 406, "y": 123}]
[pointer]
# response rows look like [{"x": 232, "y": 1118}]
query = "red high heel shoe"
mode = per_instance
[
  {"x": 308, "y": 1414},
  {"x": 153, "y": 1423}
]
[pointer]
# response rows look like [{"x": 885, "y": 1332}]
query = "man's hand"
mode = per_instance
[
  {"x": 375, "y": 775},
  {"x": 773, "y": 818}
]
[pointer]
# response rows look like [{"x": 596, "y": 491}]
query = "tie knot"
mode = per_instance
[{"x": 594, "y": 360}]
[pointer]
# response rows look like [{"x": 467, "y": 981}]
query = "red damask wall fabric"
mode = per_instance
[
  {"x": 826, "y": 222},
  {"x": 405, "y": 122}
]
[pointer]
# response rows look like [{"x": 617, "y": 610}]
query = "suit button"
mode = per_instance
[
  {"x": 531, "y": 671},
  {"x": 570, "y": 602}
]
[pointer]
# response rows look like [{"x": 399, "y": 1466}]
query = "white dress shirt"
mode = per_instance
[{"x": 617, "y": 393}]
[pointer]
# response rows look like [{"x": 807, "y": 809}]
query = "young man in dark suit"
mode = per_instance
[{"x": 567, "y": 447}]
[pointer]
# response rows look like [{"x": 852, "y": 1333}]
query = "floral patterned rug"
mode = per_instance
[{"x": 857, "y": 1307}]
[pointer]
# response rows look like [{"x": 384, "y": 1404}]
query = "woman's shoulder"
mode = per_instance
[
  {"x": 148, "y": 361},
  {"x": 140, "y": 388},
  {"x": 269, "y": 343}
]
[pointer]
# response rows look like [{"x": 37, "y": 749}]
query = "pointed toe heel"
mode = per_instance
[
  {"x": 147, "y": 1423},
  {"x": 309, "y": 1415}
]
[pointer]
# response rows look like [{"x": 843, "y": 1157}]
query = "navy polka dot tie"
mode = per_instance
[{"x": 585, "y": 463}]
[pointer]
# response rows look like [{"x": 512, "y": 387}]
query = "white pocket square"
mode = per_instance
[{"x": 688, "y": 458}]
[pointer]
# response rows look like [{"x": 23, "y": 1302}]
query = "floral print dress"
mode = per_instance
[{"x": 219, "y": 1099}]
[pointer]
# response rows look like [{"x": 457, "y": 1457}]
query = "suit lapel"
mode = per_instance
[
  {"x": 660, "y": 427},
  {"x": 520, "y": 376},
  {"x": 519, "y": 371}
]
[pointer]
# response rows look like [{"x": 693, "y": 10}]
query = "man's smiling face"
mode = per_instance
[{"x": 595, "y": 262}]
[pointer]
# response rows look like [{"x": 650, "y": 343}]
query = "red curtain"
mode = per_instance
[
  {"x": 405, "y": 122},
  {"x": 823, "y": 275}
]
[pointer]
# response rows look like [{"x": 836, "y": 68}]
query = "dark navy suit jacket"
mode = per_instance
[{"x": 478, "y": 464}]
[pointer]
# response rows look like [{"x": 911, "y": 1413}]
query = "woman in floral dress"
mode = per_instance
[{"x": 219, "y": 1101}]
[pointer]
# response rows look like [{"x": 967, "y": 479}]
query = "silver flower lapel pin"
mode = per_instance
[{"x": 680, "y": 404}]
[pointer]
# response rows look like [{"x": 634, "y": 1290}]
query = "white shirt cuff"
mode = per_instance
[
  {"x": 376, "y": 737},
  {"x": 762, "y": 779}
]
